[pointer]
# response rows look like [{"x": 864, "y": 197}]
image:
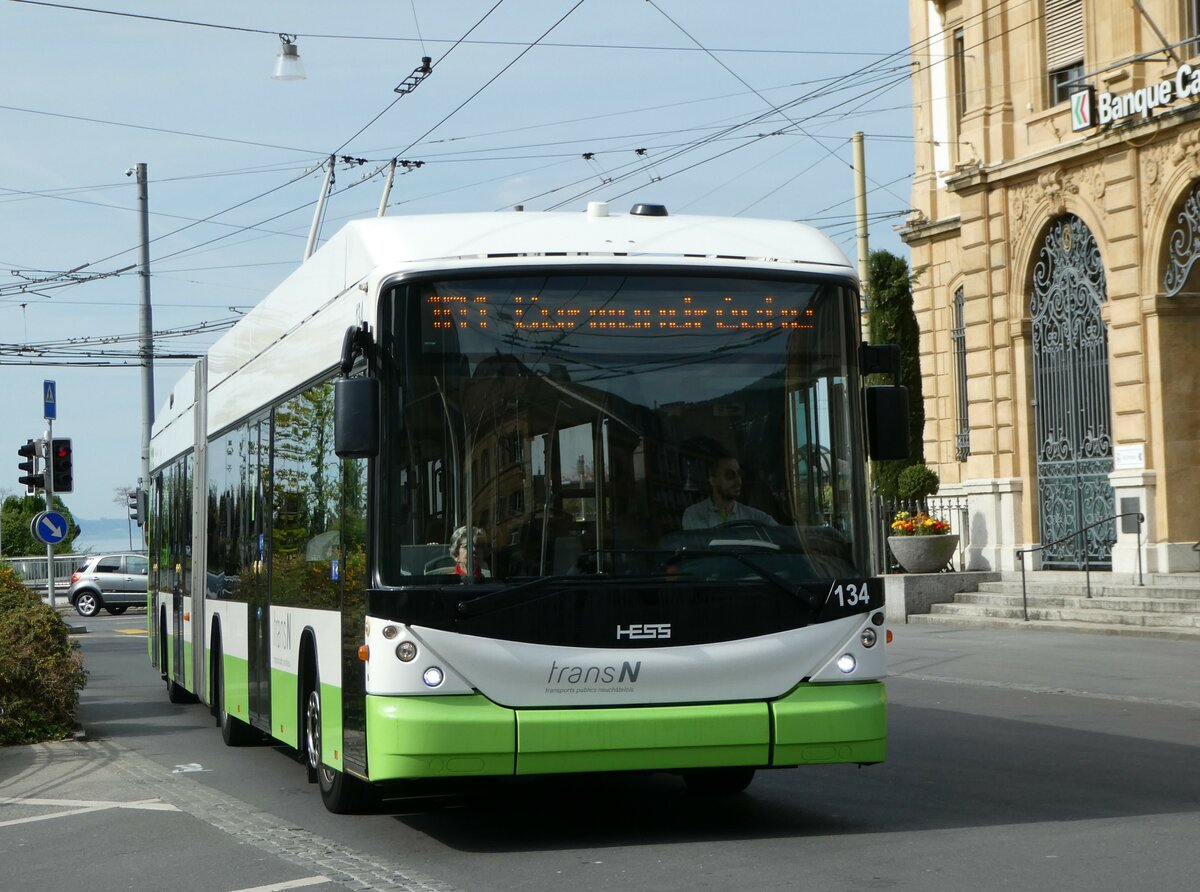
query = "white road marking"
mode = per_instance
[
  {"x": 79, "y": 807},
  {"x": 290, "y": 884}
]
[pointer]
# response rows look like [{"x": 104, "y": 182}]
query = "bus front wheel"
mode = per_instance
[{"x": 341, "y": 793}]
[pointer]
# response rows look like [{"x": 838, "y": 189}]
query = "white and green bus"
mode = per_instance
[{"x": 421, "y": 513}]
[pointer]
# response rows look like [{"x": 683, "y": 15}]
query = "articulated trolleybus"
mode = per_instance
[{"x": 510, "y": 494}]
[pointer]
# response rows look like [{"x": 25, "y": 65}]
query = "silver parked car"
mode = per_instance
[{"x": 115, "y": 582}]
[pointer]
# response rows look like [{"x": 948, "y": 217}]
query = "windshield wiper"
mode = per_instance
[
  {"x": 507, "y": 597},
  {"x": 762, "y": 572}
]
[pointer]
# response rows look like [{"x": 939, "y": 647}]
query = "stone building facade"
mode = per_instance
[{"x": 1056, "y": 232}]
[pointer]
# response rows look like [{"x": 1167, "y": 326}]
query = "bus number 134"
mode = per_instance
[{"x": 851, "y": 594}]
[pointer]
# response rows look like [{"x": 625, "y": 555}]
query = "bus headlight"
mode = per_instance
[
  {"x": 406, "y": 651},
  {"x": 868, "y": 637},
  {"x": 433, "y": 676},
  {"x": 846, "y": 663},
  {"x": 390, "y": 632}
]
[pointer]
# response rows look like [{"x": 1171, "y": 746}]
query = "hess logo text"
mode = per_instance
[{"x": 643, "y": 631}]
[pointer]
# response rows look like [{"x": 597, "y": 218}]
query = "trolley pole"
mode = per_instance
[
  {"x": 320, "y": 211},
  {"x": 387, "y": 188}
]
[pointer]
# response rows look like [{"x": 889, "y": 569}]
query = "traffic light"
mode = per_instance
[
  {"x": 31, "y": 478},
  {"x": 60, "y": 465},
  {"x": 137, "y": 506}
]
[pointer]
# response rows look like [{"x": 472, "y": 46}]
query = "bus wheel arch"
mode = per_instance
[
  {"x": 234, "y": 731},
  {"x": 176, "y": 693},
  {"x": 309, "y": 689}
]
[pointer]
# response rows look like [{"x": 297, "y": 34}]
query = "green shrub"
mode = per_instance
[
  {"x": 11, "y": 584},
  {"x": 41, "y": 670},
  {"x": 917, "y": 482}
]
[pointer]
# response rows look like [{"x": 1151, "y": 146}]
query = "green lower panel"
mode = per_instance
[
  {"x": 552, "y": 741},
  {"x": 828, "y": 723},
  {"x": 189, "y": 673},
  {"x": 331, "y": 723},
  {"x": 236, "y": 673},
  {"x": 438, "y": 737},
  {"x": 285, "y": 708}
]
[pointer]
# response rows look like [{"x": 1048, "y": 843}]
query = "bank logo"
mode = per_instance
[
  {"x": 644, "y": 631},
  {"x": 1082, "y": 102}
]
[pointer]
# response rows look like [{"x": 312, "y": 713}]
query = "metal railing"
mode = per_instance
[
  {"x": 1141, "y": 518},
  {"x": 32, "y": 570}
]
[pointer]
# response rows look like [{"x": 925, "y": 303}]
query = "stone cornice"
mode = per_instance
[
  {"x": 922, "y": 232},
  {"x": 1135, "y": 134}
]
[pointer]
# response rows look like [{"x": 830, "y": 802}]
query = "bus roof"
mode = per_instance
[{"x": 397, "y": 241}]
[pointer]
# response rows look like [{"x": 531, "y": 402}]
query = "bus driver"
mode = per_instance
[{"x": 725, "y": 480}]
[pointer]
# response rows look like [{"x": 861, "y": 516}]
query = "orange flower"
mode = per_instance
[{"x": 921, "y": 524}]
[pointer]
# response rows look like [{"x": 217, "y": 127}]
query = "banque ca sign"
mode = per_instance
[{"x": 1089, "y": 109}]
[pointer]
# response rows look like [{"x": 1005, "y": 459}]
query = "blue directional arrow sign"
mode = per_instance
[
  {"x": 49, "y": 527},
  {"x": 50, "y": 400}
]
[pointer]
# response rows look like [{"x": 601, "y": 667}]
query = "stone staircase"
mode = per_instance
[{"x": 1166, "y": 606}]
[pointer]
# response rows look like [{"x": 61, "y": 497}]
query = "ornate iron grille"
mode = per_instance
[
  {"x": 1184, "y": 245},
  {"x": 1071, "y": 396}
]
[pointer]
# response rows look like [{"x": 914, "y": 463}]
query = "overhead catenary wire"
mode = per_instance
[{"x": 213, "y": 217}]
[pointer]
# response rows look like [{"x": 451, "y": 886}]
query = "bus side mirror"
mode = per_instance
[
  {"x": 356, "y": 417},
  {"x": 887, "y": 422}
]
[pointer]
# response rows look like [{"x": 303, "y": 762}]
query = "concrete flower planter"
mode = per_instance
[{"x": 924, "y": 554}]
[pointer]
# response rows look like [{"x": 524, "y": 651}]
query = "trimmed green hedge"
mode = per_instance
[{"x": 41, "y": 669}]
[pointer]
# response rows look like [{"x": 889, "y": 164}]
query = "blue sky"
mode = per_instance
[{"x": 742, "y": 110}]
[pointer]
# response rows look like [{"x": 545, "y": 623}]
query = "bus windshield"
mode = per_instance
[{"x": 599, "y": 423}]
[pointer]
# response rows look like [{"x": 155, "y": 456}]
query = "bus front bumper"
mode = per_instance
[{"x": 459, "y": 736}]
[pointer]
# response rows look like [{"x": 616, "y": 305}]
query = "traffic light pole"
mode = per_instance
[{"x": 49, "y": 456}]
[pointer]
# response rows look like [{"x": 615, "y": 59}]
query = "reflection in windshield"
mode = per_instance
[{"x": 582, "y": 430}]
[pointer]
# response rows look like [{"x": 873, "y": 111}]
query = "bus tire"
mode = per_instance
[
  {"x": 176, "y": 692},
  {"x": 719, "y": 781},
  {"x": 341, "y": 793},
  {"x": 234, "y": 731}
]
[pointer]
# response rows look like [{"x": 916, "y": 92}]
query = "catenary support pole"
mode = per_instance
[
  {"x": 860, "y": 211},
  {"x": 146, "y": 332}
]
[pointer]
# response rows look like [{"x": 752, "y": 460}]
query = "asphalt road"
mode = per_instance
[{"x": 1018, "y": 760}]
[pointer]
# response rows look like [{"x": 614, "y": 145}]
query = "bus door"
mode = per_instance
[
  {"x": 176, "y": 509},
  {"x": 258, "y": 608}
]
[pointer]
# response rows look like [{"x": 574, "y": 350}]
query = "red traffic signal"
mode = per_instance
[{"x": 60, "y": 465}]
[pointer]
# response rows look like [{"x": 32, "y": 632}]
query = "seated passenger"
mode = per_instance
[{"x": 725, "y": 480}]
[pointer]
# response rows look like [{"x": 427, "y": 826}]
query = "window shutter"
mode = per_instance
[{"x": 1064, "y": 33}]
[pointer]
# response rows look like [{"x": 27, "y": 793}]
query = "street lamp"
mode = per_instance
[{"x": 287, "y": 65}]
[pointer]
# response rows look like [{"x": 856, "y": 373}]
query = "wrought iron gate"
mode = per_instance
[{"x": 1071, "y": 397}]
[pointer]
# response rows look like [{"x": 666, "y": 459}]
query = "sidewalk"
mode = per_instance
[{"x": 64, "y": 797}]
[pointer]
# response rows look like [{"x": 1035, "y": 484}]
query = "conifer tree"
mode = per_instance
[{"x": 893, "y": 321}]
